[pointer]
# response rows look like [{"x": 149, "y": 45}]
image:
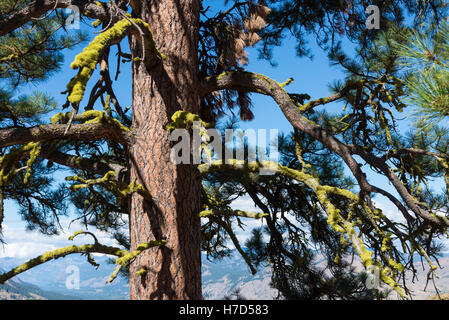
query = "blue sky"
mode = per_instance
[{"x": 310, "y": 76}]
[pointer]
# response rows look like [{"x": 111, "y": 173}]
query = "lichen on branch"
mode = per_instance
[
  {"x": 239, "y": 213},
  {"x": 110, "y": 182},
  {"x": 89, "y": 116},
  {"x": 9, "y": 160},
  {"x": 348, "y": 227},
  {"x": 87, "y": 60},
  {"x": 124, "y": 257}
]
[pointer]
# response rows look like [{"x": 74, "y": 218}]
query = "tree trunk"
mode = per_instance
[{"x": 173, "y": 271}]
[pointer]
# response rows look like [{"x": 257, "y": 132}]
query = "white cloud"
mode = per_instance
[
  {"x": 29, "y": 244},
  {"x": 390, "y": 211}
]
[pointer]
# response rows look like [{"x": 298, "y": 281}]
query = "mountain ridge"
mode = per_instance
[{"x": 220, "y": 279}]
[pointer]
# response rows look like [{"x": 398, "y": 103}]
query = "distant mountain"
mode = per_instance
[
  {"x": 220, "y": 279},
  {"x": 53, "y": 275},
  {"x": 15, "y": 289}
]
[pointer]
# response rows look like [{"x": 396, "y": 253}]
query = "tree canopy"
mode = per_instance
[{"x": 320, "y": 197}]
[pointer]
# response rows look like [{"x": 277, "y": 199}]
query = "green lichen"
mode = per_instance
[
  {"x": 60, "y": 118},
  {"x": 339, "y": 223},
  {"x": 141, "y": 272},
  {"x": 109, "y": 181},
  {"x": 240, "y": 213},
  {"x": 130, "y": 256},
  {"x": 34, "y": 153},
  {"x": 124, "y": 257},
  {"x": 180, "y": 119},
  {"x": 96, "y": 23},
  {"x": 87, "y": 60},
  {"x": 76, "y": 234},
  {"x": 10, "y": 159},
  {"x": 286, "y": 82},
  {"x": 89, "y": 116}
]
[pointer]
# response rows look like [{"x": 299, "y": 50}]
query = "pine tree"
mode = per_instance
[{"x": 188, "y": 65}]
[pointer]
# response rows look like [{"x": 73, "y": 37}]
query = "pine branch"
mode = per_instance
[
  {"x": 51, "y": 132},
  {"x": 123, "y": 257},
  {"x": 94, "y": 10},
  {"x": 254, "y": 82}
]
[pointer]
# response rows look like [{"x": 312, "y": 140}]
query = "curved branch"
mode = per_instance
[
  {"x": 254, "y": 82},
  {"x": 419, "y": 152},
  {"x": 123, "y": 257},
  {"x": 59, "y": 253},
  {"x": 259, "y": 83},
  {"x": 399, "y": 186},
  {"x": 236, "y": 213},
  {"x": 50, "y": 132}
]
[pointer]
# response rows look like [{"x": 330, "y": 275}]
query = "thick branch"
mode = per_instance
[
  {"x": 78, "y": 132},
  {"x": 81, "y": 163},
  {"x": 39, "y": 7},
  {"x": 259, "y": 83},
  {"x": 254, "y": 82},
  {"x": 399, "y": 186},
  {"x": 123, "y": 257},
  {"x": 59, "y": 253}
]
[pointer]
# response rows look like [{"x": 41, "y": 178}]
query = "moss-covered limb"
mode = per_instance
[
  {"x": 34, "y": 153},
  {"x": 237, "y": 213},
  {"x": 130, "y": 256},
  {"x": 259, "y": 83},
  {"x": 60, "y": 253},
  {"x": 87, "y": 117},
  {"x": 87, "y": 60},
  {"x": 110, "y": 181},
  {"x": 51, "y": 132},
  {"x": 124, "y": 257},
  {"x": 336, "y": 220},
  {"x": 91, "y": 9},
  {"x": 114, "y": 274},
  {"x": 254, "y": 82},
  {"x": 9, "y": 160},
  {"x": 181, "y": 119},
  {"x": 235, "y": 80},
  {"x": 77, "y": 233}
]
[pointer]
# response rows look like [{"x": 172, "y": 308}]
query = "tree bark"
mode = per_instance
[{"x": 173, "y": 271}]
